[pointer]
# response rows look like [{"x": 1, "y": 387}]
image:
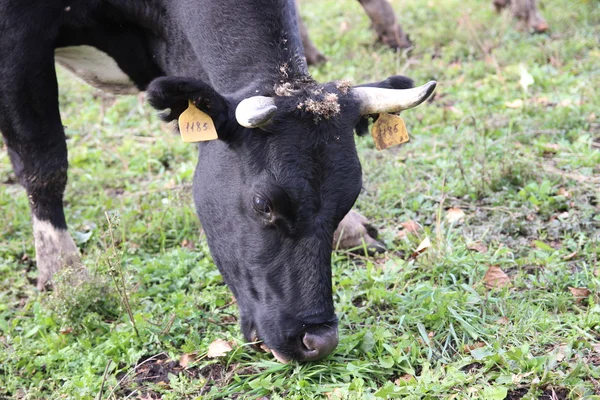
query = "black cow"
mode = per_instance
[
  {"x": 269, "y": 192},
  {"x": 391, "y": 34}
]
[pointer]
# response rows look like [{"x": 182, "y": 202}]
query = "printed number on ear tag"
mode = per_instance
[
  {"x": 389, "y": 130},
  {"x": 196, "y": 126}
]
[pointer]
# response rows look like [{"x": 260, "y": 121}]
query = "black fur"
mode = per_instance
[{"x": 215, "y": 53}]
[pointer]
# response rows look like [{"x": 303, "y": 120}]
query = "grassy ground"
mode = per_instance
[{"x": 521, "y": 164}]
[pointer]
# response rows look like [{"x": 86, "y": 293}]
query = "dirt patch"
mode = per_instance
[
  {"x": 516, "y": 394},
  {"x": 471, "y": 368},
  {"x": 547, "y": 394},
  {"x": 152, "y": 372}
]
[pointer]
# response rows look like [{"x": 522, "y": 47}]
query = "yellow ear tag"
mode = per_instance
[
  {"x": 389, "y": 130},
  {"x": 196, "y": 126}
]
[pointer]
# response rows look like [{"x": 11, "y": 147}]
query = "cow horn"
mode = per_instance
[
  {"x": 375, "y": 100},
  {"x": 255, "y": 111}
]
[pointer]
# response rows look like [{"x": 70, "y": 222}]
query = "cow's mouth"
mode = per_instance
[
  {"x": 261, "y": 346},
  {"x": 314, "y": 345}
]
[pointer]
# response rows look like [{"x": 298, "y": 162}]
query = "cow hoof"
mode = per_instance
[
  {"x": 396, "y": 40},
  {"x": 315, "y": 58},
  {"x": 355, "y": 234},
  {"x": 56, "y": 254},
  {"x": 540, "y": 27}
]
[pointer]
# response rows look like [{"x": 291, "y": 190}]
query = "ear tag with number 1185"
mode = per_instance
[
  {"x": 196, "y": 125},
  {"x": 389, "y": 130}
]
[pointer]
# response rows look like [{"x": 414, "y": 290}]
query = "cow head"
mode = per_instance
[{"x": 271, "y": 192}]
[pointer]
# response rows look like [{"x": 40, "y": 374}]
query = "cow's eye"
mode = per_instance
[{"x": 261, "y": 204}]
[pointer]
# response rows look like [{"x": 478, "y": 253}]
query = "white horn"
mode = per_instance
[
  {"x": 375, "y": 100},
  {"x": 255, "y": 111}
]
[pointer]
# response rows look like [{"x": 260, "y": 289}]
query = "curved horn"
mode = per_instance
[
  {"x": 255, "y": 111},
  {"x": 375, "y": 100}
]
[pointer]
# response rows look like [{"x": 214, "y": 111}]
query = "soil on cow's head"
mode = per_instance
[{"x": 151, "y": 373}]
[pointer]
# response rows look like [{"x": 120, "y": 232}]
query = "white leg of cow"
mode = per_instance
[
  {"x": 55, "y": 250},
  {"x": 36, "y": 142},
  {"x": 355, "y": 232}
]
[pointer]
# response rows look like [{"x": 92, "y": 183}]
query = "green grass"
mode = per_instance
[{"x": 527, "y": 178}]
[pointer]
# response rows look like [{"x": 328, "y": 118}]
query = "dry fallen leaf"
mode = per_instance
[
  {"x": 425, "y": 244},
  {"x": 186, "y": 359},
  {"x": 502, "y": 321},
  {"x": 579, "y": 293},
  {"x": 542, "y": 100},
  {"x": 478, "y": 247},
  {"x": 563, "y": 192},
  {"x": 344, "y": 26},
  {"x": 188, "y": 244},
  {"x": 454, "y": 215},
  {"x": 404, "y": 378},
  {"x": 495, "y": 278},
  {"x": 469, "y": 347},
  {"x": 514, "y": 104},
  {"x": 219, "y": 348},
  {"x": 336, "y": 394},
  {"x": 565, "y": 103},
  {"x": 570, "y": 256},
  {"x": 410, "y": 226},
  {"x": 560, "y": 352}
]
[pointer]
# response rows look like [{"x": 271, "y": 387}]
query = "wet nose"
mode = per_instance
[{"x": 318, "y": 342}]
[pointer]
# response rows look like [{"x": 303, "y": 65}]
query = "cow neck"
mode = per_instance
[{"x": 243, "y": 48}]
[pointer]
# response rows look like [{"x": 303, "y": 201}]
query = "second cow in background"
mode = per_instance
[{"x": 391, "y": 34}]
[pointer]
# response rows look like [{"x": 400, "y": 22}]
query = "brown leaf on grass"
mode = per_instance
[
  {"x": 344, "y": 26},
  {"x": 403, "y": 379},
  {"x": 560, "y": 352},
  {"x": 566, "y": 103},
  {"x": 542, "y": 100},
  {"x": 564, "y": 192},
  {"x": 188, "y": 244},
  {"x": 495, "y": 278},
  {"x": 410, "y": 226},
  {"x": 219, "y": 348},
  {"x": 570, "y": 256},
  {"x": 455, "y": 215},
  {"x": 580, "y": 293},
  {"x": 470, "y": 347},
  {"x": 425, "y": 244},
  {"x": 187, "y": 358},
  {"x": 336, "y": 394},
  {"x": 401, "y": 234},
  {"x": 502, "y": 321},
  {"x": 552, "y": 147},
  {"x": 478, "y": 247},
  {"x": 518, "y": 103}
]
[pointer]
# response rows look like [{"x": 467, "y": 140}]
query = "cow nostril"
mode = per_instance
[
  {"x": 319, "y": 344},
  {"x": 308, "y": 342}
]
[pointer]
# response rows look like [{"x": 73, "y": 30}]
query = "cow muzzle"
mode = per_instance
[
  {"x": 314, "y": 344},
  {"x": 318, "y": 343}
]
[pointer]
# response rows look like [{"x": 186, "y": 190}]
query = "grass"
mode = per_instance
[{"x": 523, "y": 166}]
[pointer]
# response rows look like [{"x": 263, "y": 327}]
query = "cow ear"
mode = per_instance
[
  {"x": 393, "y": 82},
  {"x": 174, "y": 93}
]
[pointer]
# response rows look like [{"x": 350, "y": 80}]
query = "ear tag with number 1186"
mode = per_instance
[
  {"x": 389, "y": 130},
  {"x": 196, "y": 126}
]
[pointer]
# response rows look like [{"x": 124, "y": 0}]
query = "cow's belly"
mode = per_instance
[{"x": 96, "y": 68}]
